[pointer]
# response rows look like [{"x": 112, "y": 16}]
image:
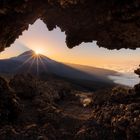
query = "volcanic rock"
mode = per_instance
[
  {"x": 9, "y": 103},
  {"x": 42, "y": 117},
  {"x": 24, "y": 85},
  {"x": 114, "y": 24}
]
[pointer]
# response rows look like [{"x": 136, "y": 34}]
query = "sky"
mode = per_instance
[{"x": 52, "y": 44}]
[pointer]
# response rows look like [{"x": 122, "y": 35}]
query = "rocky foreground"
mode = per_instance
[{"x": 31, "y": 109}]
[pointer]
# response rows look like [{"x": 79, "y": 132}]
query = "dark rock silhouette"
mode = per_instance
[
  {"x": 137, "y": 87},
  {"x": 114, "y": 24},
  {"x": 56, "y": 112},
  {"x": 9, "y": 103},
  {"x": 25, "y": 86},
  {"x": 137, "y": 71}
]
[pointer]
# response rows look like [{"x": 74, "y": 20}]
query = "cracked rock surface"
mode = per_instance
[
  {"x": 114, "y": 24},
  {"x": 56, "y": 111}
]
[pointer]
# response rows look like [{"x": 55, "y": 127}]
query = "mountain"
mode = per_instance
[{"x": 29, "y": 62}]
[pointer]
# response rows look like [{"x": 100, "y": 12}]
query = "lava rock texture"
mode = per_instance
[
  {"x": 114, "y": 24},
  {"x": 113, "y": 114}
]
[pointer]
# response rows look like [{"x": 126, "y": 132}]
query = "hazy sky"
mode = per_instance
[{"x": 52, "y": 44}]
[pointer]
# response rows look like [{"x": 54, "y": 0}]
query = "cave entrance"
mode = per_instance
[{"x": 52, "y": 44}]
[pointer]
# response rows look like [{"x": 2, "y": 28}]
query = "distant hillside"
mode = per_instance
[{"x": 93, "y": 70}]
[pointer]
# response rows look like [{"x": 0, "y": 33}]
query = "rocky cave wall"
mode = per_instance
[{"x": 114, "y": 24}]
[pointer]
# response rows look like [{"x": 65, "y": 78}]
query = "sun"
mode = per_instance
[{"x": 37, "y": 52}]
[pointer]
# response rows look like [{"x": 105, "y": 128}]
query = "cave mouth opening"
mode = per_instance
[
  {"x": 52, "y": 44},
  {"x": 28, "y": 106}
]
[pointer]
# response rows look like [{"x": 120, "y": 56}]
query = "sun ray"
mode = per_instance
[
  {"x": 45, "y": 59},
  {"x": 37, "y": 65},
  {"x": 40, "y": 59},
  {"x": 25, "y": 62},
  {"x": 31, "y": 64},
  {"x": 44, "y": 62},
  {"x": 36, "y": 59}
]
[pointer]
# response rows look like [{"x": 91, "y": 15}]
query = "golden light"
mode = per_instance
[{"x": 37, "y": 52}]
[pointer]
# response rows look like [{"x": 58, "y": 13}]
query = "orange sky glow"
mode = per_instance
[{"x": 52, "y": 44}]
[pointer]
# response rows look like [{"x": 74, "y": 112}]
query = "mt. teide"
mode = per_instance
[{"x": 29, "y": 62}]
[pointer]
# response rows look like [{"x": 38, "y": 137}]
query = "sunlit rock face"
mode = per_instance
[{"x": 114, "y": 24}]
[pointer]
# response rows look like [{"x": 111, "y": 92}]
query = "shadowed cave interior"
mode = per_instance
[
  {"x": 113, "y": 24},
  {"x": 33, "y": 108}
]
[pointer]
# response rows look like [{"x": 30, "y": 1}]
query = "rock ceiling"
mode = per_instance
[{"x": 114, "y": 24}]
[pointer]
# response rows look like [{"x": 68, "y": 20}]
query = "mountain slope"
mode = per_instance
[
  {"x": 28, "y": 62},
  {"x": 93, "y": 70}
]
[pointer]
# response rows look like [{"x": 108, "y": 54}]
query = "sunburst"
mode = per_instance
[
  {"x": 37, "y": 52},
  {"x": 36, "y": 59}
]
